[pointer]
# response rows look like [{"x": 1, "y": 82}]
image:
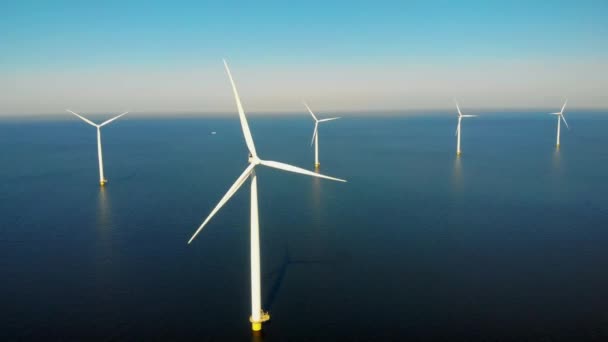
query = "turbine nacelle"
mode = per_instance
[{"x": 561, "y": 114}]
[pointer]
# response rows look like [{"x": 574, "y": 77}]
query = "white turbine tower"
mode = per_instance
[
  {"x": 560, "y": 116},
  {"x": 257, "y": 315},
  {"x": 460, "y": 116},
  {"x": 102, "y": 180},
  {"x": 315, "y": 134}
]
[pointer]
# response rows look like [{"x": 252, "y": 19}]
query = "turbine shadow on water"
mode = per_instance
[{"x": 281, "y": 271}]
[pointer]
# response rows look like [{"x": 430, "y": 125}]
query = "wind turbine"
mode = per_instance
[
  {"x": 315, "y": 134},
  {"x": 560, "y": 115},
  {"x": 258, "y": 316},
  {"x": 460, "y": 116},
  {"x": 102, "y": 180}
]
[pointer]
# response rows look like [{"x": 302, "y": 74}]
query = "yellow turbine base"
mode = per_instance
[
  {"x": 103, "y": 182},
  {"x": 458, "y": 153},
  {"x": 257, "y": 325},
  {"x": 317, "y": 165}
]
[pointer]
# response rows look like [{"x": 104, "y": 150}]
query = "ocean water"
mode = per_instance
[{"x": 507, "y": 242}]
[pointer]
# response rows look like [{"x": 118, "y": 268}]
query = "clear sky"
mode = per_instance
[{"x": 166, "y": 56}]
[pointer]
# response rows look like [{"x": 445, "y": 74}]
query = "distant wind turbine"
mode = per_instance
[
  {"x": 460, "y": 116},
  {"x": 258, "y": 316},
  {"x": 315, "y": 134},
  {"x": 102, "y": 180},
  {"x": 560, "y": 116}
]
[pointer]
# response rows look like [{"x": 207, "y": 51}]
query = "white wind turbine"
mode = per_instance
[
  {"x": 102, "y": 180},
  {"x": 257, "y": 315},
  {"x": 560, "y": 116},
  {"x": 315, "y": 134},
  {"x": 460, "y": 116}
]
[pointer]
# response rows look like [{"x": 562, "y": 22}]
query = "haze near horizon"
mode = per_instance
[{"x": 166, "y": 58}]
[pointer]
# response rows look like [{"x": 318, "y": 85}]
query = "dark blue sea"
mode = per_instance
[{"x": 509, "y": 242}]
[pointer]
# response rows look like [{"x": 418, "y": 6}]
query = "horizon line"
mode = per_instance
[{"x": 373, "y": 112}]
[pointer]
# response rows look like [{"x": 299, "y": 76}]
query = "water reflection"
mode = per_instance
[
  {"x": 319, "y": 234},
  {"x": 104, "y": 243},
  {"x": 316, "y": 198},
  {"x": 556, "y": 160},
  {"x": 457, "y": 177},
  {"x": 555, "y": 175},
  {"x": 103, "y": 211},
  {"x": 257, "y": 336}
]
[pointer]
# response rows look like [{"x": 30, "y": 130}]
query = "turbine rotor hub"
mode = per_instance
[{"x": 253, "y": 160}]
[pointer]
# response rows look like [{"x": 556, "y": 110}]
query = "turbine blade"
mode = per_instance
[
  {"x": 468, "y": 116},
  {"x": 310, "y": 111},
  {"x": 330, "y": 119},
  {"x": 314, "y": 133},
  {"x": 295, "y": 169},
  {"x": 112, "y": 119},
  {"x": 243, "y": 118},
  {"x": 563, "y": 107},
  {"x": 458, "y": 107},
  {"x": 564, "y": 119},
  {"x": 83, "y": 118},
  {"x": 554, "y": 113},
  {"x": 233, "y": 189}
]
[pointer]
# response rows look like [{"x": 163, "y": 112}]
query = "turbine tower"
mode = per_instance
[
  {"x": 102, "y": 180},
  {"x": 560, "y": 116},
  {"x": 258, "y": 316},
  {"x": 460, "y": 116},
  {"x": 315, "y": 134}
]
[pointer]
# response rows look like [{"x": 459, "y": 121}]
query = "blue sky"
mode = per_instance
[{"x": 50, "y": 44}]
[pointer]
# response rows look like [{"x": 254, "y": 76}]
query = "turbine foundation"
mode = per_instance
[
  {"x": 103, "y": 182},
  {"x": 317, "y": 165},
  {"x": 257, "y": 325}
]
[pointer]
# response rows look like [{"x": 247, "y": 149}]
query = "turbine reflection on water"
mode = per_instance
[
  {"x": 103, "y": 211},
  {"x": 556, "y": 160},
  {"x": 105, "y": 259},
  {"x": 457, "y": 178}
]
